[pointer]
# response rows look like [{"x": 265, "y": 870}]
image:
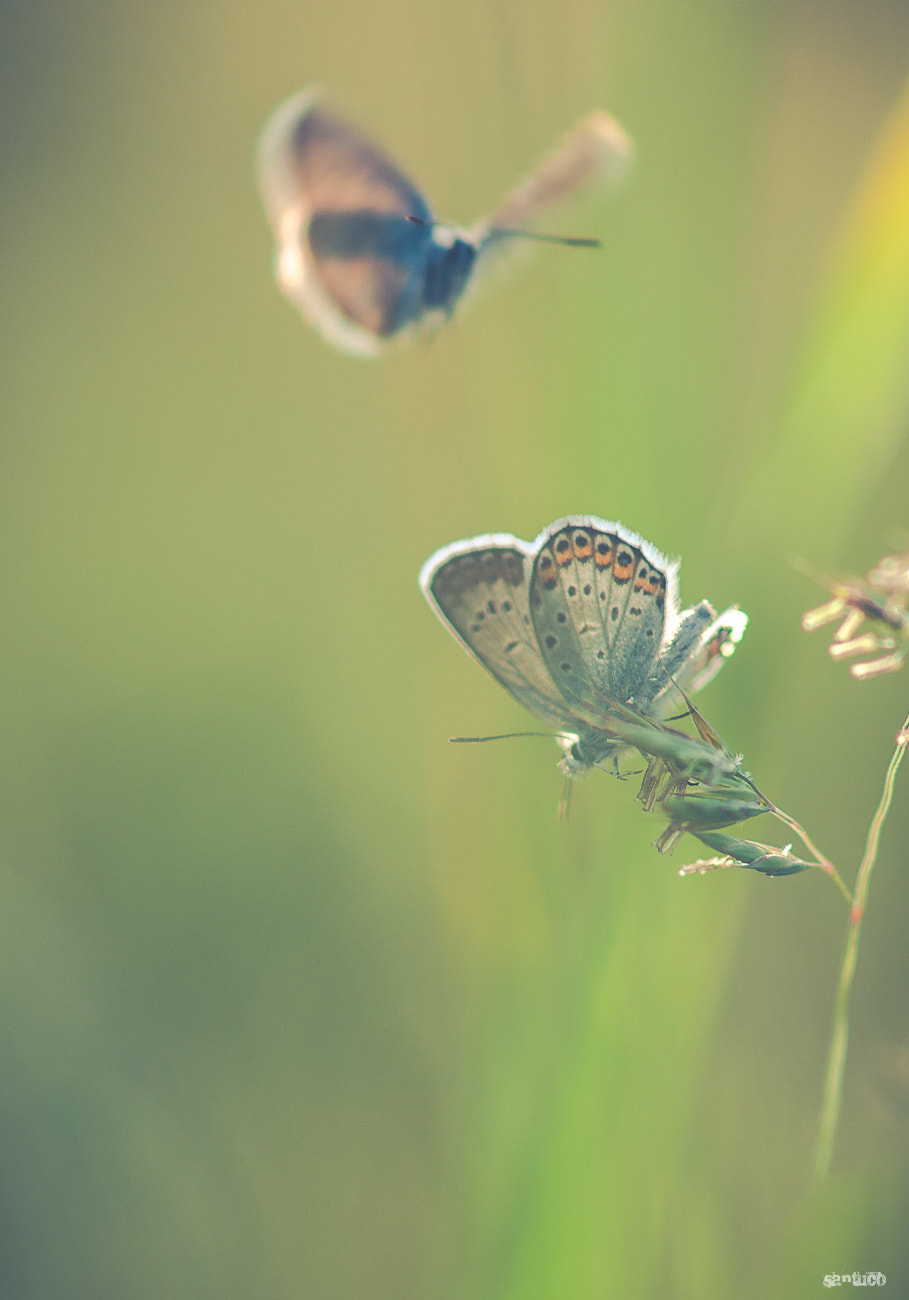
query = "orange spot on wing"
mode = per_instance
[
  {"x": 715, "y": 646},
  {"x": 648, "y": 581},
  {"x": 582, "y": 546},
  {"x": 564, "y": 553},
  {"x": 604, "y": 552},
  {"x": 623, "y": 567},
  {"x": 547, "y": 571}
]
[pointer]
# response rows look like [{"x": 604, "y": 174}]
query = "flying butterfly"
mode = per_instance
[{"x": 358, "y": 250}]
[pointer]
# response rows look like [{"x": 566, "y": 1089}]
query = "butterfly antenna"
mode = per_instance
[
  {"x": 508, "y": 735},
  {"x": 568, "y": 241},
  {"x": 497, "y": 234}
]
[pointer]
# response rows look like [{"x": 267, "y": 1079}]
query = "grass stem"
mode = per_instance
[{"x": 839, "y": 1041}]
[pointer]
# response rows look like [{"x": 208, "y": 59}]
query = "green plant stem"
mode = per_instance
[
  {"x": 824, "y": 863},
  {"x": 839, "y": 1041}
]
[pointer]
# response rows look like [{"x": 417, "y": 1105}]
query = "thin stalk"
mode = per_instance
[
  {"x": 824, "y": 862},
  {"x": 839, "y": 1041}
]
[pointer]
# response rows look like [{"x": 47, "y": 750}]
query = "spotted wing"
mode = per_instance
[
  {"x": 479, "y": 590},
  {"x": 348, "y": 257},
  {"x": 599, "y": 599}
]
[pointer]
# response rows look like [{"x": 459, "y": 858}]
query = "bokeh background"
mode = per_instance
[{"x": 296, "y": 999}]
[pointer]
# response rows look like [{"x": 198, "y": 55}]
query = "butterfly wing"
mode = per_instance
[
  {"x": 581, "y": 626},
  {"x": 479, "y": 589},
  {"x": 348, "y": 257},
  {"x": 595, "y": 152},
  {"x": 600, "y": 598}
]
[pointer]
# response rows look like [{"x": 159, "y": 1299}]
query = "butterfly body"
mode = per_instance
[
  {"x": 359, "y": 252},
  {"x": 582, "y": 626}
]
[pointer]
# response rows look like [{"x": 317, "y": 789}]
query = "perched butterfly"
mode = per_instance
[
  {"x": 582, "y": 621},
  {"x": 359, "y": 252}
]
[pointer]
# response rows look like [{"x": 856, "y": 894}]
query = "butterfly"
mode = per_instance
[
  {"x": 358, "y": 250},
  {"x": 582, "y": 626}
]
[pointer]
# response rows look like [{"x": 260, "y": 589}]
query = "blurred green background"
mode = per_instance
[{"x": 297, "y": 999}]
